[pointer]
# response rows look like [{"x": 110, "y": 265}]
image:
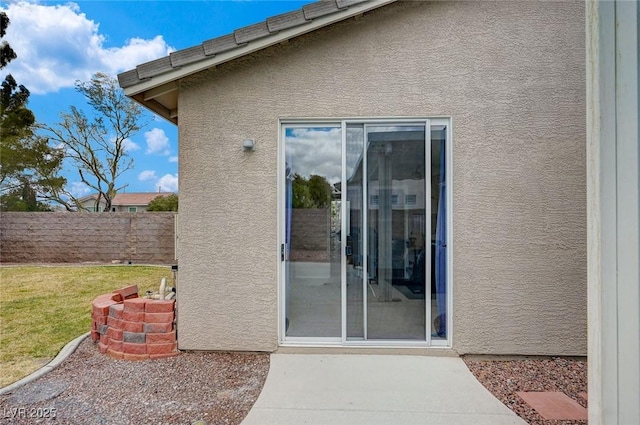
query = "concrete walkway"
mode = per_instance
[{"x": 374, "y": 389}]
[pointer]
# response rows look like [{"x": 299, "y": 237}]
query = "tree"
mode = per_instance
[
  {"x": 314, "y": 192},
  {"x": 22, "y": 198},
  {"x": 97, "y": 146},
  {"x": 164, "y": 203},
  {"x": 6, "y": 52},
  {"x": 28, "y": 165},
  {"x": 300, "y": 191},
  {"x": 320, "y": 191},
  {"x": 16, "y": 123}
]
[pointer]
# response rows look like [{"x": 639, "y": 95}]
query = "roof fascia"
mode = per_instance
[
  {"x": 156, "y": 107},
  {"x": 253, "y": 46}
]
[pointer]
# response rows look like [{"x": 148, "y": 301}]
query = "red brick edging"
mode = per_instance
[{"x": 131, "y": 328}]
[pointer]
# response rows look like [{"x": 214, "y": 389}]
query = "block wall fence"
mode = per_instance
[
  {"x": 85, "y": 237},
  {"x": 309, "y": 230}
]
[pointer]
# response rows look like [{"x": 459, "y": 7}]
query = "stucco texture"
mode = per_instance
[{"x": 512, "y": 78}]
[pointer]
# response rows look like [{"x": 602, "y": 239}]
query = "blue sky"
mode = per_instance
[{"x": 58, "y": 43}]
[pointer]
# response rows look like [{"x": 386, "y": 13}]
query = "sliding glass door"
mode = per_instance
[
  {"x": 311, "y": 250},
  {"x": 395, "y": 192},
  {"x": 365, "y": 232}
]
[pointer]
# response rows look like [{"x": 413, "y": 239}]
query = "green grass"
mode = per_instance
[{"x": 43, "y": 308}]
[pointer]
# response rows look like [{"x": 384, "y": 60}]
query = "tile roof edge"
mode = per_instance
[{"x": 196, "y": 58}]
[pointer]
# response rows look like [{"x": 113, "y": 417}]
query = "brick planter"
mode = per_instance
[{"x": 131, "y": 328}]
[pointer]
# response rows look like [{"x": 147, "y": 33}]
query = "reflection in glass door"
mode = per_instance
[
  {"x": 439, "y": 234},
  {"x": 311, "y": 250},
  {"x": 398, "y": 258},
  {"x": 354, "y": 228},
  {"x": 365, "y": 249},
  {"x": 386, "y": 274},
  {"x": 396, "y": 239}
]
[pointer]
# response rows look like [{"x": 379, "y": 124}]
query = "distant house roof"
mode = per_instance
[
  {"x": 154, "y": 84},
  {"x": 132, "y": 199}
]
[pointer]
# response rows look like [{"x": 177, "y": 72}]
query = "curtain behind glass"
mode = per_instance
[{"x": 441, "y": 246}]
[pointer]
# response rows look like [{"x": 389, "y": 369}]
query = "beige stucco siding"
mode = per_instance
[{"x": 510, "y": 76}]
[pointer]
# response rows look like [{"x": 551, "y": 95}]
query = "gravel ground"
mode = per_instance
[
  {"x": 220, "y": 388},
  {"x": 91, "y": 388},
  {"x": 506, "y": 377}
]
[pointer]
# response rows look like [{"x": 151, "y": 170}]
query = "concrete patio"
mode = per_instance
[{"x": 374, "y": 389}]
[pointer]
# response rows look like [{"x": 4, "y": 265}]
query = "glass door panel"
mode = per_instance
[
  {"x": 396, "y": 241},
  {"x": 438, "y": 225},
  {"x": 312, "y": 232},
  {"x": 355, "y": 291},
  {"x": 365, "y": 247}
]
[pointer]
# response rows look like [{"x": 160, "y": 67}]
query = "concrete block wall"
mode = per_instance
[
  {"x": 80, "y": 237},
  {"x": 310, "y": 230},
  {"x": 130, "y": 328}
]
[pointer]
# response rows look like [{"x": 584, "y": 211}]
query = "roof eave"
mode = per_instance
[{"x": 167, "y": 81}]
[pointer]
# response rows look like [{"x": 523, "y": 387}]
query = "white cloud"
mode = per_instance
[
  {"x": 168, "y": 183},
  {"x": 147, "y": 175},
  {"x": 157, "y": 142},
  {"x": 173, "y": 159},
  {"x": 79, "y": 189},
  {"x": 57, "y": 45},
  {"x": 130, "y": 145},
  {"x": 315, "y": 151}
]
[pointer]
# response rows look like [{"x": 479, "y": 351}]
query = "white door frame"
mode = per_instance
[{"x": 343, "y": 341}]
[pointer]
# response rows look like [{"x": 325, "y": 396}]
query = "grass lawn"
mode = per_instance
[{"x": 43, "y": 308}]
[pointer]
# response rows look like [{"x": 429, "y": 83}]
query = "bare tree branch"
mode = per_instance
[{"x": 96, "y": 145}]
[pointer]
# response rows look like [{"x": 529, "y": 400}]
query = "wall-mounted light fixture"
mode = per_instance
[{"x": 248, "y": 144}]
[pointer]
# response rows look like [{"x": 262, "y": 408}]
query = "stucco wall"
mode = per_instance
[
  {"x": 87, "y": 237},
  {"x": 511, "y": 77}
]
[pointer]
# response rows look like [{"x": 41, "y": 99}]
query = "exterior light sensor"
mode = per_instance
[{"x": 248, "y": 144}]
